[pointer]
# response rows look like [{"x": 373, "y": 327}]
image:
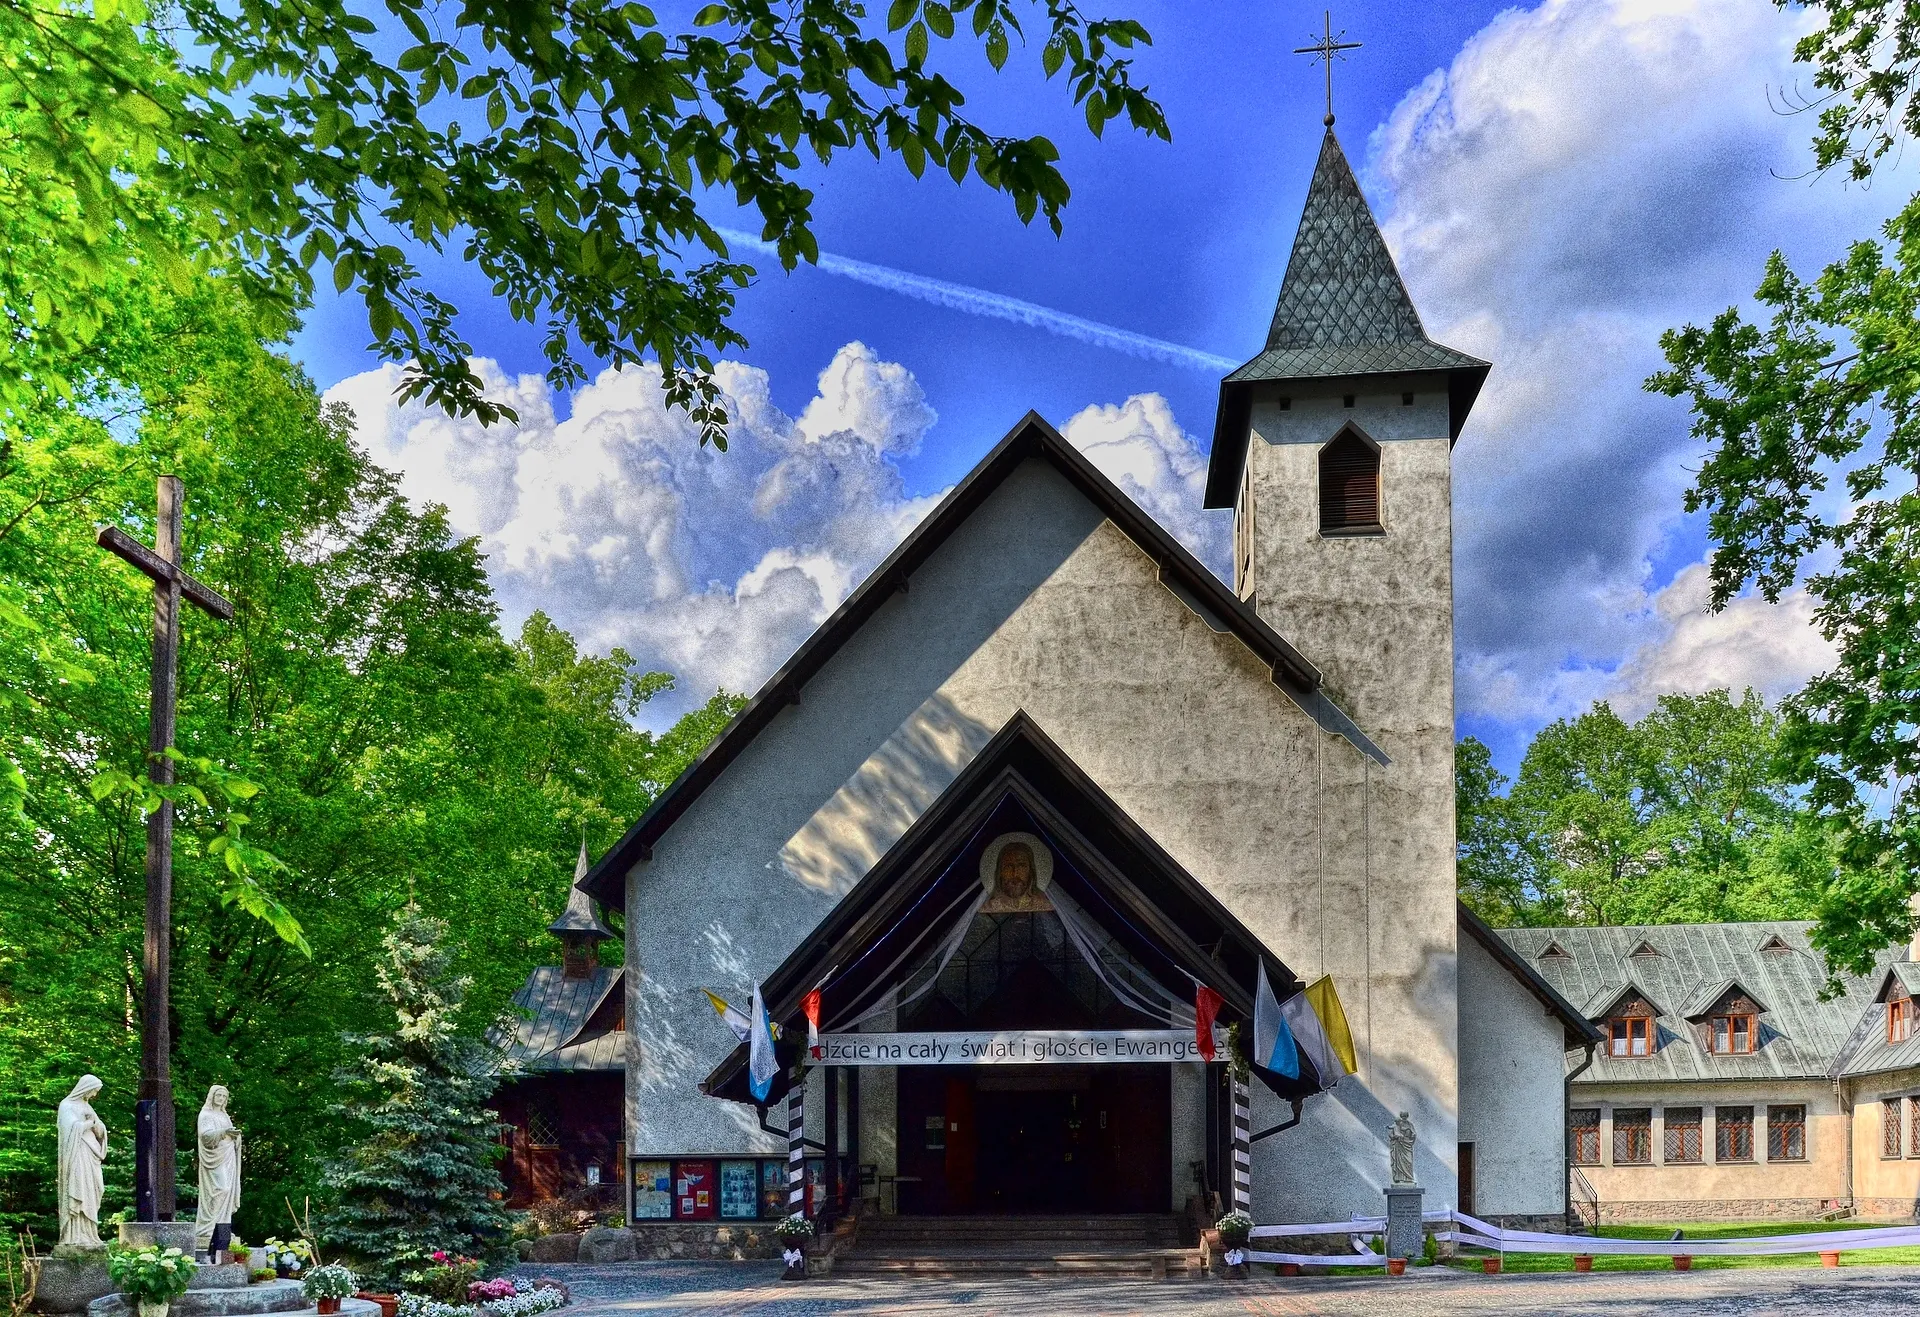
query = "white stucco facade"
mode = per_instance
[{"x": 1513, "y": 1107}]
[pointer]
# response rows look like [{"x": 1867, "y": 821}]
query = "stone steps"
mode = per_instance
[
  {"x": 283, "y": 1298},
  {"x": 1145, "y": 1246}
]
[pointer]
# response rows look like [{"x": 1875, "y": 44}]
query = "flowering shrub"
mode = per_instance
[
  {"x": 147, "y": 1275},
  {"x": 1234, "y": 1228},
  {"x": 544, "y": 1298},
  {"x": 794, "y": 1229},
  {"x": 481, "y": 1291},
  {"x": 440, "y": 1275},
  {"x": 331, "y": 1282}
]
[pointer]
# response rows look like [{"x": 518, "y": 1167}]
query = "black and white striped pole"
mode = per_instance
[
  {"x": 1242, "y": 1147},
  {"x": 795, "y": 1252}
]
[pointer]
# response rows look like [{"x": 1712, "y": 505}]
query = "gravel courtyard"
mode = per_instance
[{"x": 753, "y": 1288}]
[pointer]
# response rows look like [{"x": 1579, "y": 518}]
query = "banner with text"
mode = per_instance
[{"x": 1012, "y": 1047}]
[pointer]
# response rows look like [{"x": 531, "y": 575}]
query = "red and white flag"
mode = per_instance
[{"x": 810, "y": 1004}]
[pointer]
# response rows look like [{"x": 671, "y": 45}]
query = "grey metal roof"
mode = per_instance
[
  {"x": 581, "y": 915},
  {"x": 1801, "y": 1036},
  {"x": 1868, "y": 1052},
  {"x": 555, "y": 1010}
]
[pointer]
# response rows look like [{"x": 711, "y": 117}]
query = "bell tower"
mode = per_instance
[
  {"x": 580, "y": 928},
  {"x": 1334, "y": 448}
]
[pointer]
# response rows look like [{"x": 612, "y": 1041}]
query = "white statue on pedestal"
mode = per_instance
[
  {"x": 1400, "y": 1149},
  {"x": 83, "y": 1150},
  {"x": 219, "y": 1156}
]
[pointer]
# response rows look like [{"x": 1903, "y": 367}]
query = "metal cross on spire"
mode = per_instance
[{"x": 1325, "y": 51}]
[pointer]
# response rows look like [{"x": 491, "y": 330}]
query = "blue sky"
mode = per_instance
[{"x": 1559, "y": 183}]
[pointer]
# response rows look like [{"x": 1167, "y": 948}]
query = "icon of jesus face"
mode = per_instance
[{"x": 1015, "y": 877}]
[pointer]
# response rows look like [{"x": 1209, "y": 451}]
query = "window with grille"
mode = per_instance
[
  {"x": 543, "y": 1127},
  {"x": 1786, "y": 1134},
  {"x": 1732, "y": 1034},
  {"x": 1913, "y": 1127},
  {"x": 1899, "y": 1020},
  {"x": 1630, "y": 1035},
  {"x": 1733, "y": 1134},
  {"x": 1586, "y": 1135},
  {"x": 1890, "y": 1127},
  {"x": 1349, "y": 485},
  {"x": 1682, "y": 1141},
  {"x": 1632, "y": 1136}
]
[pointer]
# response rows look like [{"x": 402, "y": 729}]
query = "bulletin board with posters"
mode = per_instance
[
  {"x": 773, "y": 1189},
  {"x": 695, "y": 1191},
  {"x": 740, "y": 1190},
  {"x": 652, "y": 1190}
]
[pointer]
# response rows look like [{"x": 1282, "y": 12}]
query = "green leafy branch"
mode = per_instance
[{"x": 241, "y": 860}]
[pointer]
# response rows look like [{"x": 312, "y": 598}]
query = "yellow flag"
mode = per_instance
[{"x": 1326, "y": 1004}]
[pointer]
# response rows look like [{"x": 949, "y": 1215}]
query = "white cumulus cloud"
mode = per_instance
[
  {"x": 715, "y": 566},
  {"x": 1583, "y": 175}
]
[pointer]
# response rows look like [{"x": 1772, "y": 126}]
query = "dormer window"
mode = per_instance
[
  {"x": 1732, "y": 1034},
  {"x": 1629, "y": 1035},
  {"x": 1899, "y": 1019},
  {"x": 1349, "y": 485}
]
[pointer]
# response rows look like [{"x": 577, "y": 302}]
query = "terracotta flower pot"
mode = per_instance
[
  {"x": 389, "y": 1303},
  {"x": 1289, "y": 1268},
  {"x": 326, "y": 1306},
  {"x": 1830, "y": 1259},
  {"x": 1683, "y": 1262},
  {"x": 1583, "y": 1262},
  {"x": 1396, "y": 1266},
  {"x": 1491, "y": 1266}
]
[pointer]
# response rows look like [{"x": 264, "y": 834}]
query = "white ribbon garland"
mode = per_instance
[
  {"x": 792, "y": 1257},
  {"x": 1236, "y": 1257}
]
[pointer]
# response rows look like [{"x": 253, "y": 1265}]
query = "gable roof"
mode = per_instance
[
  {"x": 1801, "y": 1034},
  {"x": 1578, "y": 1029},
  {"x": 1032, "y": 439},
  {"x": 557, "y": 1011},
  {"x": 1609, "y": 995},
  {"x": 1868, "y": 1052},
  {"x": 1709, "y": 995},
  {"x": 1343, "y": 313},
  {"x": 1140, "y": 895}
]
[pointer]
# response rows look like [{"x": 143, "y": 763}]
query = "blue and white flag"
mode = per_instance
[
  {"x": 762, "y": 1065},
  {"x": 1273, "y": 1045}
]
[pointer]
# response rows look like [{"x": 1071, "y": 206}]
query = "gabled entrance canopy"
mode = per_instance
[{"x": 883, "y": 930}]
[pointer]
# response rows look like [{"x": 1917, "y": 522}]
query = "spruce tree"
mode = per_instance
[{"x": 418, "y": 1172}]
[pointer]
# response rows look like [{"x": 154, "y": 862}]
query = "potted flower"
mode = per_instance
[
  {"x": 240, "y": 1253},
  {"x": 1235, "y": 1228},
  {"x": 288, "y": 1258},
  {"x": 153, "y": 1279},
  {"x": 327, "y": 1285},
  {"x": 794, "y": 1233}
]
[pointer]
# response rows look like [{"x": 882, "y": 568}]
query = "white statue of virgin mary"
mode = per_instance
[
  {"x": 83, "y": 1150},
  {"x": 218, "y": 1143}
]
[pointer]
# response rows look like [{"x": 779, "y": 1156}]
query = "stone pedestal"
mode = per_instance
[
  {"x": 160, "y": 1234},
  {"x": 71, "y": 1279},
  {"x": 1406, "y": 1236}
]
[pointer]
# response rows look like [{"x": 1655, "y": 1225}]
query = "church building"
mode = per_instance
[{"x": 1044, "y": 787}]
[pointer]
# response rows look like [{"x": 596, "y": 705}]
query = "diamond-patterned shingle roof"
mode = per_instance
[{"x": 1342, "y": 312}]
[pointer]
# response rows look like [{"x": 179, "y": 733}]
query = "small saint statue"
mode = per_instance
[
  {"x": 83, "y": 1151},
  {"x": 1400, "y": 1149},
  {"x": 1018, "y": 882},
  {"x": 219, "y": 1157}
]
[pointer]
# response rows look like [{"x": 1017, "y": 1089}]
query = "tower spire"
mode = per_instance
[{"x": 580, "y": 928}]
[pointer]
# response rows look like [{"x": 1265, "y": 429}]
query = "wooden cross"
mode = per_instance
[
  {"x": 162, "y": 562},
  {"x": 1325, "y": 51}
]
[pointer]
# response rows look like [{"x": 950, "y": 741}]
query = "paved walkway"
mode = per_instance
[{"x": 658, "y": 1289}]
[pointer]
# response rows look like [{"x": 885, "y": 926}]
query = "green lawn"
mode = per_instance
[{"x": 1702, "y": 1230}]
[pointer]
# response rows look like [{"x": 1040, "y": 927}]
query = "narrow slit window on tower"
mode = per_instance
[{"x": 1349, "y": 485}]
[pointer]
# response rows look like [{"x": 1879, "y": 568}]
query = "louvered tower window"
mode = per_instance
[{"x": 1349, "y": 485}]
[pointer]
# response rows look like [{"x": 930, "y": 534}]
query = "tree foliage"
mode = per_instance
[
  {"x": 402, "y": 747},
  {"x": 415, "y": 1171},
  {"x": 1809, "y": 416},
  {"x": 562, "y": 146},
  {"x": 1682, "y": 817}
]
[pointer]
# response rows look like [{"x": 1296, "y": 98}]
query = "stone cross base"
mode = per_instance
[
  {"x": 1406, "y": 1236},
  {"x": 160, "y": 1234}
]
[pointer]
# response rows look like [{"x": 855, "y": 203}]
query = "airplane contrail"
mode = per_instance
[{"x": 997, "y": 306}]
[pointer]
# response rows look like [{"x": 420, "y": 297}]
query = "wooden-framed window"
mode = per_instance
[
  {"x": 1682, "y": 1142},
  {"x": 1349, "y": 486},
  {"x": 1732, "y": 1034},
  {"x": 1586, "y": 1135},
  {"x": 1890, "y": 1140},
  {"x": 543, "y": 1125},
  {"x": 1913, "y": 1127},
  {"x": 1630, "y": 1035},
  {"x": 1632, "y": 1136},
  {"x": 1787, "y": 1134},
  {"x": 1733, "y": 1134},
  {"x": 1899, "y": 1019}
]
